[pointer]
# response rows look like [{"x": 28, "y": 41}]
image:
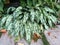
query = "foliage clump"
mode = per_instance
[{"x": 30, "y": 17}]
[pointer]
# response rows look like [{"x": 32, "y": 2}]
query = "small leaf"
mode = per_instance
[
  {"x": 45, "y": 25},
  {"x": 11, "y": 9},
  {"x": 32, "y": 13},
  {"x": 50, "y": 23},
  {"x": 8, "y": 20},
  {"x": 49, "y": 10},
  {"x": 3, "y": 20},
  {"x": 17, "y": 12},
  {"x": 25, "y": 18},
  {"x": 1, "y": 6}
]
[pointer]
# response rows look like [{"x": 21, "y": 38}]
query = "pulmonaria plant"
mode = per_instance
[{"x": 25, "y": 21}]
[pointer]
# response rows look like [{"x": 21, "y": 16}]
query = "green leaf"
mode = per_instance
[
  {"x": 10, "y": 9},
  {"x": 42, "y": 19},
  {"x": 28, "y": 32},
  {"x": 8, "y": 20},
  {"x": 3, "y": 20},
  {"x": 37, "y": 16},
  {"x": 53, "y": 18},
  {"x": 1, "y": 6},
  {"x": 45, "y": 25},
  {"x": 49, "y": 10},
  {"x": 41, "y": 27},
  {"x": 17, "y": 12},
  {"x": 9, "y": 28},
  {"x": 29, "y": 3},
  {"x": 32, "y": 13},
  {"x": 57, "y": 5},
  {"x": 25, "y": 18},
  {"x": 50, "y": 23}
]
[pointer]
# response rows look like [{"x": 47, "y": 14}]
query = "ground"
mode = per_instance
[{"x": 52, "y": 35}]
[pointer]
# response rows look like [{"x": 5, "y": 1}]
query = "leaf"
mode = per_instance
[
  {"x": 28, "y": 32},
  {"x": 37, "y": 16},
  {"x": 32, "y": 13},
  {"x": 42, "y": 19},
  {"x": 45, "y": 25},
  {"x": 11, "y": 9},
  {"x": 3, "y": 20},
  {"x": 1, "y": 6},
  {"x": 34, "y": 2},
  {"x": 22, "y": 30},
  {"x": 17, "y": 12},
  {"x": 46, "y": 14},
  {"x": 29, "y": 3},
  {"x": 8, "y": 20},
  {"x": 57, "y": 5},
  {"x": 25, "y": 18},
  {"x": 41, "y": 27},
  {"x": 53, "y": 18},
  {"x": 49, "y": 10},
  {"x": 50, "y": 23},
  {"x": 10, "y": 27}
]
